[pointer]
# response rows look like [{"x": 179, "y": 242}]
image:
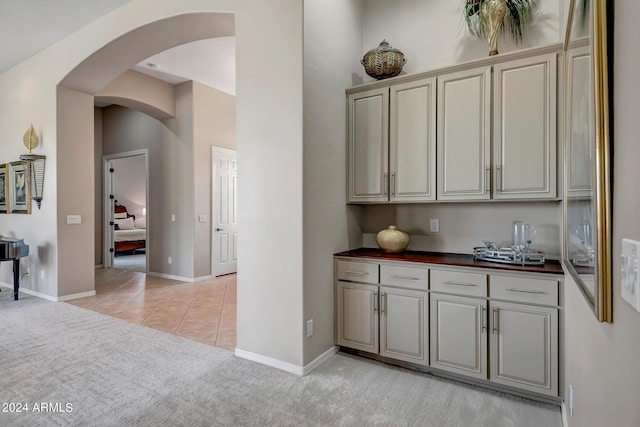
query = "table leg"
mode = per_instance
[{"x": 16, "y": 278}]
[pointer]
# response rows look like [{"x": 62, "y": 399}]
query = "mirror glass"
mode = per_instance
[{"x": 587, "y": 207}]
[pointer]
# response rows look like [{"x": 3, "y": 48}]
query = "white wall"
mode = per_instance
[
  {"x": 269, "y": 117},
  {"x": 129, "y": 183},
  {"x": 97, "y": 176},
  {"x": 330, "y": 61},
  {"x": 75, "y": 192},
  {"x": 140, "y": 92},
  {"x": 602, "y": 359},
  {"x": 433, "y": 34},
  {"x": 465, "y": 225},
  {"x": 214, "y": 124},
  {"x": 170, "y": 178},
  {"x": 269, "y": 112}
]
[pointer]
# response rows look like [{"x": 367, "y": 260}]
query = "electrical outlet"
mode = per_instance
[
  {"x": 173, "y": 219},
  {"x": 434, "y": 225},
  {"x": 309, "y": 327},
  {"x": 630, "y": 272},
  {"x": 169, "y": 260}
]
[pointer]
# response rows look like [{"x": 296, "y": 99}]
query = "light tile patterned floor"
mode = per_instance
[{"x": 203, "y": 311}]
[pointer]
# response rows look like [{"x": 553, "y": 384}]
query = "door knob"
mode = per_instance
[{"x": 219, "y": 229}]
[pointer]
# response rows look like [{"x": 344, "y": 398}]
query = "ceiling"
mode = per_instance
[{"x": 33, "y": 25}]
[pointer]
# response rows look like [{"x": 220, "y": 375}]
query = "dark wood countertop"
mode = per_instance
[{"x": 461, "y": 260}]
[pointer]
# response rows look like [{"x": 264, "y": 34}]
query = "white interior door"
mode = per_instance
[{"x": 225, "y": 211}]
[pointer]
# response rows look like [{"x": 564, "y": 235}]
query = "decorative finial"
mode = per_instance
[{"x": 30, "y": 138}]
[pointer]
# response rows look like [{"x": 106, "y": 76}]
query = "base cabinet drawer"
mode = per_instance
[
  {"x": 525, "y": 290},
  {"x": 459, "y": 283},
  {"x": 405, "y": 277},
  {"x": 353, "y": 271}
]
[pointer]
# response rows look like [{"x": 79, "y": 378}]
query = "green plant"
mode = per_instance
[{"x": 519, "y": 14}]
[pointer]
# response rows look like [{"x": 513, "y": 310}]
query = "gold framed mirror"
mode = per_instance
[{"x": 587, "y": 196}]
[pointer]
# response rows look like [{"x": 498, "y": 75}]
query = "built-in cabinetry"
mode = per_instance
[
  {"x": 518, "y": 315},
  {"x": 500, "y": 327},
  {"x": 387, "y": 318},
  {"x": 392, "y": 135},
  {"x": 500, "y": 149},
  {"x": 459, "y": 322}
]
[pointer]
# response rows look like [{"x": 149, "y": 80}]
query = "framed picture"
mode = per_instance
[
  {"x": 19, "y": 191},
  {"x": 4, "y": 182}
]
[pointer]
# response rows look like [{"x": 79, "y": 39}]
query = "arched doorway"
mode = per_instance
[{"x": 270, "y": 133}]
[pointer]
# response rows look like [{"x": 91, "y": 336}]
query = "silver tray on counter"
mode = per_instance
[{"x": 509, "y": 256}]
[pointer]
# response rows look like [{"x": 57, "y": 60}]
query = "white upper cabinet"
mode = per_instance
[
  {"x": 488, "y": 133},
  {"x": 369, "y": 146},
  {"x": 524, "y": 128},
  {"x": 392, "y": 154},
  {"x": 464, "y": 126},
  {"x": 412, "y": 135}
]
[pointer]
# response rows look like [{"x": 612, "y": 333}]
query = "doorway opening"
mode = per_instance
[{"x": 126, "y": 202}]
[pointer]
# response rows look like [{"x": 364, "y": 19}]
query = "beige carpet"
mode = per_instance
[{"x": 94, "y": 370}]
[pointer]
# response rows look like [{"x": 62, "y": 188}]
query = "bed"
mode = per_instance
[{"x": 129, "y": 233}]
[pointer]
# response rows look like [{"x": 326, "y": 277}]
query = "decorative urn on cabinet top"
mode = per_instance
[
  {"x": 383, "y": 62},
  {"x": 392, "y": 240}
]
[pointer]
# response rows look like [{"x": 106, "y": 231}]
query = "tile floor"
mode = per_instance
[{"x": 203, "y": 311}]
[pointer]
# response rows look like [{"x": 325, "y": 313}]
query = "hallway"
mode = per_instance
[{"x": 203, "y": 311}]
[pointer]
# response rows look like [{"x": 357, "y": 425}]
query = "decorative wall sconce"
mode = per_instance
[{"x": 33, "y": 165}]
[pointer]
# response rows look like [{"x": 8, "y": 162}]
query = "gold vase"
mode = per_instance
[
  {"x": 492, "y": 13},
  {"x": 392, "y": 240}
]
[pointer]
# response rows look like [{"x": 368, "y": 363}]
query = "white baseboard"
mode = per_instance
[
  {"x": 169, "y": 276},
  {"x": 286, "y": 366},
  {"x": 180, "y": 278},
  {"x": 320, "y": 360},
  {"x": 49, "y": 297},
  {"x": 76, "y": 296},
  {"x": 563, "y": 410},
  {"x": 99, "y": 266}
]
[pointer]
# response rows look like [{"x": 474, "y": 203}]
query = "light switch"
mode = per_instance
[
  {"x": 203, "y": 218},
  {"x": 74, "y": 219},
  {"x": 630, "y": 273},
  {"x": 173, "y": 217}
]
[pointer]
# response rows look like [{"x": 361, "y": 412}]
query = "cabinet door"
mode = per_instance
[
  {"x": 403, "y": 325},
  {"x": 369, "y": 146},
  {"x": 524, "y": 124},
  {"x": 357, "y": 316},
  {"x": 412, "y": 141},
  {"x": 524, "y": 346},
  {"x": 464, "y": 110},
  {"x": 459, "y": 335}
]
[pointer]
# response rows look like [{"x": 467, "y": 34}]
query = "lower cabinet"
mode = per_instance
[
  {"x": 357, "y": 316},
  {"x": 500, "y": 328},
  {"x": 459, "y": 334},
  {"x": 403, "y": 325},
  {"x": 524, "y": 347},
  {"x": 383, "y": 320}
]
